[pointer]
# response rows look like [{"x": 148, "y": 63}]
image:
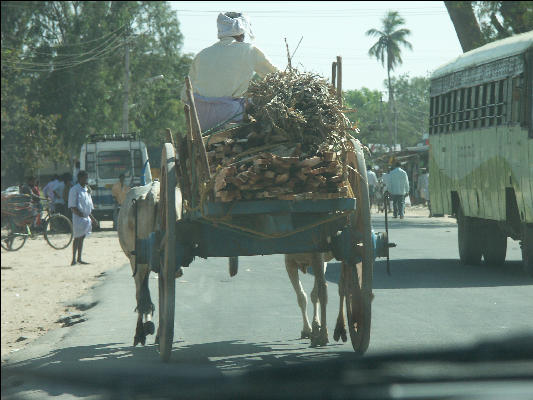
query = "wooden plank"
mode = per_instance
[{"x": 197, "y": 134}]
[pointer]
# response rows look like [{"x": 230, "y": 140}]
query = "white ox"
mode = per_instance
[{"x": 147, "y": 200}]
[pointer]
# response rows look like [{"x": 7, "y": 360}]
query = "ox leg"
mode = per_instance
[
  {"x": 320, "y": 338},
  {"x": 340, "y": 328},
  {"x": 292, "y": 271},
  {"x": 145, "y": 307}
]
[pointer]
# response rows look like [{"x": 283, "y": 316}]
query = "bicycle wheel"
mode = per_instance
[
  {"x": 58, "y": 231},
  {"x": 12, "y": 237}
]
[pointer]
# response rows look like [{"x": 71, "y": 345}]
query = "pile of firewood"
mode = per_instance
[
  {"x": 269, "y": 176},
  {"x": 289, "y": 147}
]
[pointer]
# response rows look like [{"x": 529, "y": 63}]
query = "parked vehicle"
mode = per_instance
[{"x": 105, "y": 157}]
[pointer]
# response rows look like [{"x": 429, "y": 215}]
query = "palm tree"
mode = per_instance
[{"x": 390, "y": 38}]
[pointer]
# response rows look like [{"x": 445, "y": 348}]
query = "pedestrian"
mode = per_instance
[
  {"x": 30, "y": 188},
  {"x": 75, "y": 172},
  {"x": 119, "y": 192},
  {"x": 58, "y": 190},
  {"x": 220, "y": 74},
  {"x": 372, "y": 180},
  {"x": 423, "y": 187},
  {"x": 398, "y": 187},
  {"x": 48, "y": 192},
  {"x": 81, "y": 204}
]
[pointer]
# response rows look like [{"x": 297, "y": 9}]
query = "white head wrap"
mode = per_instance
[{"x": 233, "y": 24}]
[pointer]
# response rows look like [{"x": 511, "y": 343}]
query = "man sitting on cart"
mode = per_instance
[{"x": 220, "y": 74}]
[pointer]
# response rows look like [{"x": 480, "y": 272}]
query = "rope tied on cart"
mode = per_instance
[{"x": 253, "y": 232}]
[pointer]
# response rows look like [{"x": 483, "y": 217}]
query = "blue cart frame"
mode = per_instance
[{"x": 245, "y": 228}]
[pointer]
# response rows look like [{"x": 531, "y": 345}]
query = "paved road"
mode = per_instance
[{"x": 227, "y": 324}]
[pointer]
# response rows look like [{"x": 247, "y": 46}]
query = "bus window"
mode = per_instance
[
  {"x": 491, "y": 101},
  {"x": 516, "y": 93},
  {"x": 448, "y": 111},
  {"x": 499, "y": 102},
  {"x": 462, "y": 95},
  {"x": 442, "y": 112},
  {"x": 476, "y": 107},
  {"x": 455, "y": 105},
  {"x": 483, "y": 105},
  {"x": 468, "y": 107}
]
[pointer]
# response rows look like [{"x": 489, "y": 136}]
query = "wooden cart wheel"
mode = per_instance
[
  {"x": 167, "y": 272},
  {"x": 359, "y": 299}
]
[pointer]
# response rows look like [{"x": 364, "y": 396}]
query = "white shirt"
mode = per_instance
[
  {"x": 80, "y": 198},
  {"x": 58, "y": 190},
  {"x": 226, "y": 68},
  {"x": 398, "y": 182},
  {"x": 48, "y": 190},
  {"x": 371, "y": 177}
]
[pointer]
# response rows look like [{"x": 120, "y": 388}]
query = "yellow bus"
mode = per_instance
[{"x": 481, "y": 148}]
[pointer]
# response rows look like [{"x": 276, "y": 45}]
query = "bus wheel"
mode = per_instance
[
  {"x": 527, "y": 250},
  {"x": 469, "y": 239},
  {"x": 495, "y": 246}
]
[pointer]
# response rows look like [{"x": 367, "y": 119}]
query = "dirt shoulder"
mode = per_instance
[{"x": 38, "y": 284}]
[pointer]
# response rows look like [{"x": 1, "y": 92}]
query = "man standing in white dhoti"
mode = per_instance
[{"x": 81, "y": 204}]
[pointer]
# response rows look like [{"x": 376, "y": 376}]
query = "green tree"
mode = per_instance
[
  {"x": 412, "y": 102},
  {"x": 70, "y": 56},
  {"x": 28, "y": 138},
  {"x": 387, "y": 50},
  {"x": 367, "y": 114},
  {"x": 479, "y": 22}
]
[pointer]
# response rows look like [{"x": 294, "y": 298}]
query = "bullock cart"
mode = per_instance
[{"x": 193, "y": 224}]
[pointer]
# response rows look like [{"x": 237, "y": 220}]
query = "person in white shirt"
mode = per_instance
[
  {"x": 58, "y": 191},
  {"x": 398, "y": 187},
  {"x": 423, "y": 188},
  {"x": 372, "y": 182},
  {"x": 75, "y": 172},
  {"x": 48, "y": 191},
  {"x": 220, "y": 74},
  {"x": 81, "y": 204}
]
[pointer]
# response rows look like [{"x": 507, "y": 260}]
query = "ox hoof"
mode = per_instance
[
  {"x": 139, "y": 339},
  {"x": 306, "y": 334},
  {"x": 340, "y": 333},
  {"x": 321, "y": 339},
  {"x": 149, "y": 328},
  {"x": 156, "y": 341}
]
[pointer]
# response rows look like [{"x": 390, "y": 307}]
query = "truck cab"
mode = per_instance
[{"x": 105, "y": 158}]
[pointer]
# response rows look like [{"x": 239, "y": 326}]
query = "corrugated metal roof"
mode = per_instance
[{"x": 492, "y": 51}]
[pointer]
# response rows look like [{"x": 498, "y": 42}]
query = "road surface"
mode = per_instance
[{"x": 226, "y": 325}]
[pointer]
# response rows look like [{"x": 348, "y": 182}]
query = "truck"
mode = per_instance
[{"x": 105, "y": 158}]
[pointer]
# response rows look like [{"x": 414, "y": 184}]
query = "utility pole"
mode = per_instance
[
  {"x": 395, "y": 126},
  {"x": 381, "y": 136},
  {"x": 125, "y": 106}
]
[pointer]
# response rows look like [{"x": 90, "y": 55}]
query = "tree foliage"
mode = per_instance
[
  {"x": 387, "y": 50},
  {"x": 479, "y": 22},
  {"x": 412, "y": 102},
  {"x": 65, "y": 62}
]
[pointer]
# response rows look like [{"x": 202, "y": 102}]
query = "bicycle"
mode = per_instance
[{"x": 18, "y": 220}]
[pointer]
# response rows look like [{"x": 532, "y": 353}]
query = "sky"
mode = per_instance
[{"x": 330, "y": 29}]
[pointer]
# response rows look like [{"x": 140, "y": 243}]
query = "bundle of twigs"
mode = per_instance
[
  {"x": 297, "y": 107},
  {"x": 290, "y": 145}
]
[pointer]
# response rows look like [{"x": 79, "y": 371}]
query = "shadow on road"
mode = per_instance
[
  {"x": 97, "y": 370},
  {"x": 435, "y": 273}
]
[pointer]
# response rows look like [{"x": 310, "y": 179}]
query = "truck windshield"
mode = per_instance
[{"x": 113, "y": 163}]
